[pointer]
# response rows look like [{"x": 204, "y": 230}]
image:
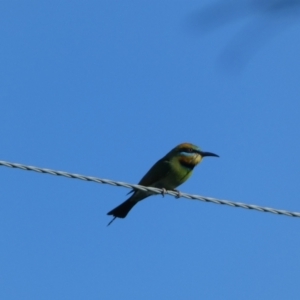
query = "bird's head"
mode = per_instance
[{"x": 189, "y": 155}]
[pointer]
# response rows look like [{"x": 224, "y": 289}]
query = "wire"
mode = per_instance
[{"x": 151, "y": 189}]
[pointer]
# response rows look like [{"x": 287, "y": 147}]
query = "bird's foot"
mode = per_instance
[
  {"x": 163, "y": 191},
  {"x": 178, "y": 194}
]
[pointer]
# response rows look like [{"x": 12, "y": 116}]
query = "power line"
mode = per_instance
[{"x": 151, "y": 189}]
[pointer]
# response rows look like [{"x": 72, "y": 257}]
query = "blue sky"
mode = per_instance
[{"x": 106, "y": 88}]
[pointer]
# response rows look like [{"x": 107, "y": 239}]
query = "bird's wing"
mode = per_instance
[{"x": 157, "y": 173}]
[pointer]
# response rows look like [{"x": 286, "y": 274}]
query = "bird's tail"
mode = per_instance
[{"x": 123, "y": 209}]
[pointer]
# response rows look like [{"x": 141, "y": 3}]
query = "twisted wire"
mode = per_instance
[{"x": 151, "y": 189}]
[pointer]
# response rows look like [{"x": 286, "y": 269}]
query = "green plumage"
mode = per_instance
[{"x": 168, "y": 173}]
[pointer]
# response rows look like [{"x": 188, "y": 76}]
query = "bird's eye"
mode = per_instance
[{"x": 190, "y": 150}]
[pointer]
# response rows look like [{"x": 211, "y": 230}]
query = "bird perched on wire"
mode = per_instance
[{"x": 168, "y": 173}]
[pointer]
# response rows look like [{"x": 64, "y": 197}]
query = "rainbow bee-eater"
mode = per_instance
[{"x": 168, "y": 173}]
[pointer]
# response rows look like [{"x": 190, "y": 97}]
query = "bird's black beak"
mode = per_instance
[{"x": 203, "y": 154}]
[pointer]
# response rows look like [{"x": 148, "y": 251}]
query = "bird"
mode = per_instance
[{"x": 167, "y": 173}]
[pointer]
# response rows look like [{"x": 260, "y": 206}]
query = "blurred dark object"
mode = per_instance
[{"x": 262, "y": 19}]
